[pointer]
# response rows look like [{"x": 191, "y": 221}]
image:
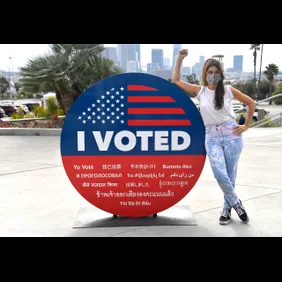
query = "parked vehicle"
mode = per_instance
[
  {"x": 31, "y": 106},
  {"x": 9, "y": 109},
  {"x": 237, "y": 107},
  {"x": 2, "y": 113},
  {"x": 24, "y": 108}
]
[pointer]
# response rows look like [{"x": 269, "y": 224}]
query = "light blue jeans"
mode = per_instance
[{"x": 223, "y": 149}]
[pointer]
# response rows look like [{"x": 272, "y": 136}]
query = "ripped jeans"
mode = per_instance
[{"x": 223, "y": 149}]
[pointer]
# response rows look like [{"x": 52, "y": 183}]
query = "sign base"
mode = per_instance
[{"x": 175, "y": 216}]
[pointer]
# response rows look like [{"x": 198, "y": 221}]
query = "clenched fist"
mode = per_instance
[{"x": 182, "y": 54}]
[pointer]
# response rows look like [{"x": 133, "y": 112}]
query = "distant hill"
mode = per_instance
[{"x": 6, "y": 73}]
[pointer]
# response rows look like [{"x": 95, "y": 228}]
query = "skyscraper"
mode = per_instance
[
  {"x": 123, "y": 56},
  {"x": 166, "y": 63},
  {"x": 202, "y": 60},
  {"x": 176, "y": 48},
  {"x": 119, "y": 54},
  {"x": 158, "y": 57},
  {"x": 128, "y": 52},
  {"x": 131, "y": 66},
  {"x": 111, "y": 53},
  {"x": 131, "y": 53},
  {"x": 138, "y": 51},
  {"x": 238, "y": 63}
]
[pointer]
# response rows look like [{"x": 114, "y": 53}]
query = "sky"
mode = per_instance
[{"x": 272, "y": 54}]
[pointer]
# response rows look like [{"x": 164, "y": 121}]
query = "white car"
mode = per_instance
[
  {"x": 24, "y": 107},
  {"x": 237, "y": 107}
]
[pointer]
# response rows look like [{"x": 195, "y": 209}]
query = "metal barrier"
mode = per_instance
[
  {"x": 259, "y": 102},
  {"x": 270, "y": 98},
  {"x": 277, "y": 118},
  {"x": 274, "y": 118}
]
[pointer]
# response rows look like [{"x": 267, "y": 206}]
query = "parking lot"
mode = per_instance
[
  {"x": 273, "y": 109},
  {"x": 10, "y": 106}
]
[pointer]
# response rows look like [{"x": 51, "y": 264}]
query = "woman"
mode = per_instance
[{"x": 223, "y": 140}]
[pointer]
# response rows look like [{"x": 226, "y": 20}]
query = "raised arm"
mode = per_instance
[{"x": 189, "y": 88}]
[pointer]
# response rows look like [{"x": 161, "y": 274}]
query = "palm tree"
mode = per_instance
[
  {"x": 67, "y": 70},
  {"x": 261, "y": 53},
  {"x": 270, "y": 72},
  {"x": 256, "y": 48},
  {"x": 4, "y": 85}
]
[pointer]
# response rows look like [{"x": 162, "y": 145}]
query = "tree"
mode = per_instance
[
  {"x": 67, "y": 70},
  {"x": 4, "y": 85},
  {"x": 17, "y": 87},
  {"x": 278, "y": 90},
  {"x": 256, "y": 48},
  {"x": 192, "y": 79},
  {"x": 261, "y": 54},
  {"x": 263, "y": 89},
  {"x": 245, "y": 87},
  {"x": 270, "y": 71}
]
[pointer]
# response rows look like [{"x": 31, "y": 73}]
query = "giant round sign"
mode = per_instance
[{"x": 133, "y": 145}]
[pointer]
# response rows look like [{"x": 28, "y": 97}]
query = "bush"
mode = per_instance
[
  {"x": 52, "y": 111},
  {"x": 29, "y": 115},
  {"x": 40, "y": 112},
  {"x": 278, "y": 90},
  {"x": 266, "y": 118},
  {"x": 256, "y": 123},
  {"x": 17, "y": 115},
  {"x": 60, "y": 112},
  {"x": 51, "y": 106}
]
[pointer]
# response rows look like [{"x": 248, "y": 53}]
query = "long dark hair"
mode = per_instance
[{"x": 219, "y": 91}]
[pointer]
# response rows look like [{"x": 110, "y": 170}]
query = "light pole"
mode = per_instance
[
  {"x": 11, "y": 77},
  {"x": 12, "y": 65}
]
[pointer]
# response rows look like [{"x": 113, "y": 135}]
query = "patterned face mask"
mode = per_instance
[{"x": 213, "y": 79}]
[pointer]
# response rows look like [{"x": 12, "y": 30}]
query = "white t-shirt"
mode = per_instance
[{"x": 210, "y": 115}]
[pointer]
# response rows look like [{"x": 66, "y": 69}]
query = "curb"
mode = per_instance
[
  {"x": 30, "y": 131},
  {"x": 56, "y": 131}
]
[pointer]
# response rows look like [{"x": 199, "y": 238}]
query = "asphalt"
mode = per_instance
[{"x": 37, "y": 198}]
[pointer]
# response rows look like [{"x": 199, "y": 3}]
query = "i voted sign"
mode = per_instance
[{"x": 133, "y": 145}]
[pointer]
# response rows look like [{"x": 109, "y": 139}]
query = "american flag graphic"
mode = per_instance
[{"x": 119, "y": 105}]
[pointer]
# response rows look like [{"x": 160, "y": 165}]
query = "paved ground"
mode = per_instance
[{"x": 37, "y": 199}]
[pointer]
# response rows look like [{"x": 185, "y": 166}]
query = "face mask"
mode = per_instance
[{"x": 213, "y": 79}]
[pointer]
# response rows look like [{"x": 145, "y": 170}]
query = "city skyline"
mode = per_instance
[
  {"x": 271, "y": 54},
  {"x": 20, "y": 53}
]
